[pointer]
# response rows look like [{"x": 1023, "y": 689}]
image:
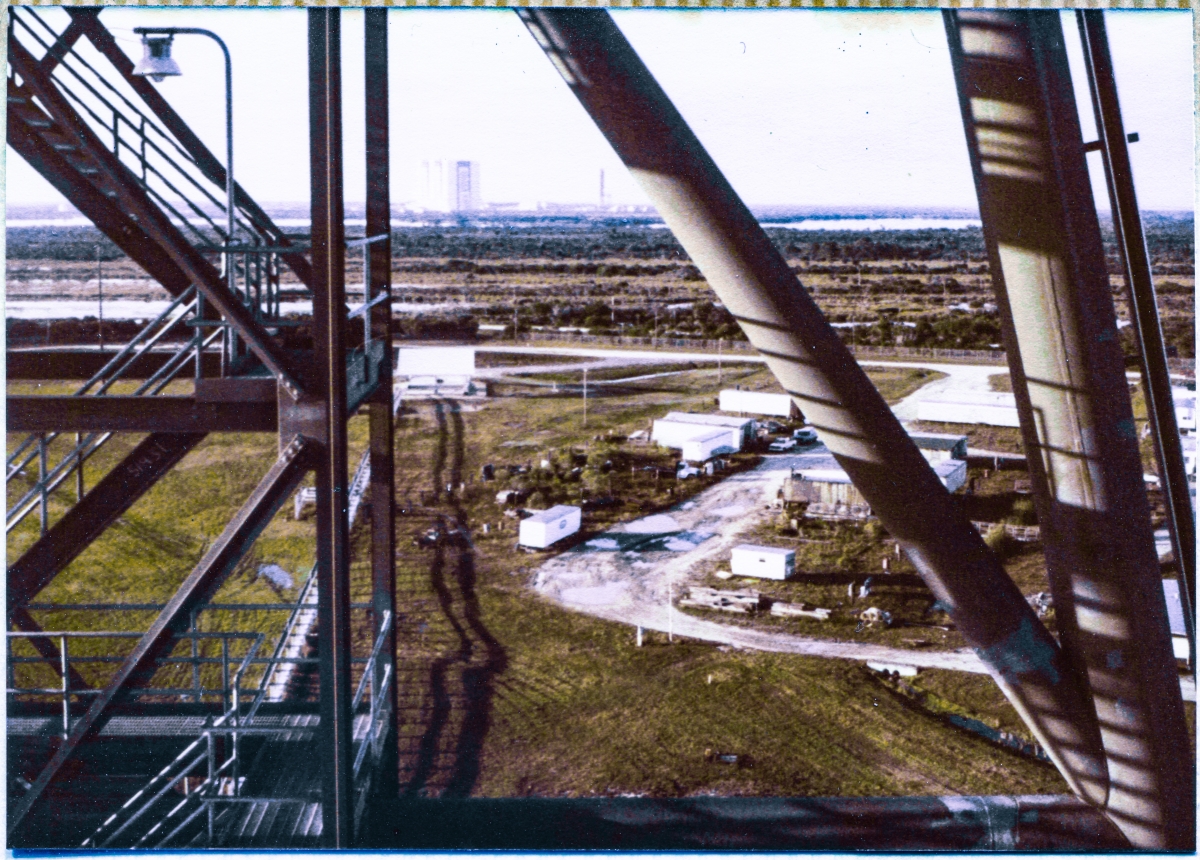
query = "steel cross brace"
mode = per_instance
[
  {"x": 87, "y": 20},
  {"x": 815, "y": 367},
  {"x": 124, "y": 232},
  {"x": 139, "y": 667},
  {"x": 157, "y": 227},
  {"x": 116, "y": 492},
  {"x": 1051, "y": 281}
]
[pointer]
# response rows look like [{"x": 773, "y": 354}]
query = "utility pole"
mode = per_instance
[{"x": 100, "y": 293}]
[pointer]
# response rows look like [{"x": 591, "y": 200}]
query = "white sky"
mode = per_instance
[{"x": 822, "y": 108}]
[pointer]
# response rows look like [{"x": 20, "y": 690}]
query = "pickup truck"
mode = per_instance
[{"x": 781, "y": 445}]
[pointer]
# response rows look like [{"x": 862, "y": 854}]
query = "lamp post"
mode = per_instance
[{"x": 158, "y": 64}]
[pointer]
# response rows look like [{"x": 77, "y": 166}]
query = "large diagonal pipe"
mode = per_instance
[
  {"x": 1051, "y": 281},
  {"x": 814, "y": 366}
]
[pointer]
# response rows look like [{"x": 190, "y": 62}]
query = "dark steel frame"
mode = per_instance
[{"x": 1048, "y": 684}]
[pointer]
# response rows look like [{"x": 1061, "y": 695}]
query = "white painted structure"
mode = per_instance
[
  {"x": 764, "y": 562},
  {"x": 435, "y": 361},
  {"x": 937, "y": 447},
  {"x": 677, "y": 428},
  {"x": 545, "y": 527},
  {"x": 995, "y": 408},
  {"x": 1185, "y": 409},
  {"x": 706, "y": 445},
  {"x": 757, "y": 403},
  {"x": 1189, "y": 454},
  {"x": 952, "y": 473}
]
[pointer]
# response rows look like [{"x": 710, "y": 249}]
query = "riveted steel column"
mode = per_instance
[
  {"x": 1051, "y": 282},
  {"x": 814, "y": 366},
  {"x": 383, "y": 535},
  {"x": 1143, "y": 307},
  {"x": 333, "y": 554}
]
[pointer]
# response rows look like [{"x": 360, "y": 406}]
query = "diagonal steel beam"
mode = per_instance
[
  {"x": 62, "y": 46},
  {"x": 815, "y": 367},
  {"x": 1143, "y": 304},
  {"x": 88, "y": 22},
  {"x": 124, "y": 232},
  {"x": 157, "y": 227},
  {"x": 44, "y": 645},
  {"x": 1050, "y": 277},
  {"x": 103, "y": 505},
  {"x": 139, "y": 667}
]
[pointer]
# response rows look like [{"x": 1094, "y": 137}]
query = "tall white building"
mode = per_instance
[{"x": 451, "y": 186}]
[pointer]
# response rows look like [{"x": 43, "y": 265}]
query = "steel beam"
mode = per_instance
[
  {"x": 1051, "y": 281},
  {"x": 157, "y": 227},
  {"x": 88, "y": 22},
  {"x": 383, "y": 477},
  {"x": 333, "y": 551},
  {"x": 109, "y": 218},
  {"x": 106, "y": 502},
  {"x": 65, "y": 363},
  {"x": 815, "y": 367},
  {"x": 1143, "y": 305},
  {"x": 129, "y": 414},
  {"x": 139, "y": 667}
]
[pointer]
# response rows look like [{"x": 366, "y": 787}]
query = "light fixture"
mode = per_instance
[{"x": 157, "y": 63}]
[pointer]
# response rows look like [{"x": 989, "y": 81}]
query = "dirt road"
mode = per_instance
[{"x": 629, "y": 573}]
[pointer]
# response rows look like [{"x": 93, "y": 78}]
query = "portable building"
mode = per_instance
[
  {"x": 1185, "y": 408},
  {"x": 758, "y": 403},
  {"x": 996, "y": 408},
  {"x": 940, "y": 446},
  {"x": 546, "y": 527},
  {"x": 439, "y": 361},
  {"x": 764, "y": 562},
  {"x": 704, "y": 446},
  {"x": 952, "y": 473},
  {"x": 676, "y": 428}
]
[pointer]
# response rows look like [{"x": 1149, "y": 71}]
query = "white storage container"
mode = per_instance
[
  {"x": 545, "y": 527},
  {"x": 764, "y": 562}
]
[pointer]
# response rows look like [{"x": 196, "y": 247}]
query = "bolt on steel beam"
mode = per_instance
[
  {"x": 804, "y": 352},
  {"x": 378, "y": 282},
  {"x": 329, "y": 384},
  {"x": 1051, "y": 282},
  {"x": 1143, "y": 304}
]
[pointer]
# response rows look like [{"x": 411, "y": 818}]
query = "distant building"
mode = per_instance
[
  {"x": 678, "y": 428},
  {"x": 451, "y": 186},
  {"x": 758, "y": 403},
  {"x": 996, "y": 408},
  {"x": 549, "y": 526},
  {"x": 1189, "y": 454},
  {"x": 436, "y": 371},
  {"x": 1185, "y": 409}
]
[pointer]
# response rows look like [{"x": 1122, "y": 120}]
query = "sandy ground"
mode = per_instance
[{"x": 628, "y": 573}]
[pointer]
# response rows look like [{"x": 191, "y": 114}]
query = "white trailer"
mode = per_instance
[
  {"x": 704, "y": 446},
  {"x": 546, "y": 527},
  {"x": 436, "y": 361},
  {"x": 996, "y": 408},
  {"x": 758, "y": 403},
  {"x": 764, "y": 562},
  {"x": 676, "y": 428}
]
